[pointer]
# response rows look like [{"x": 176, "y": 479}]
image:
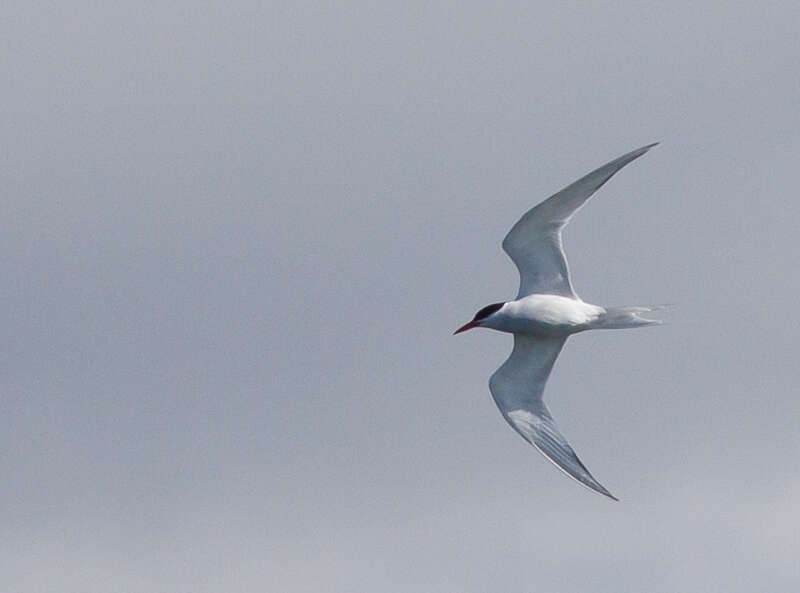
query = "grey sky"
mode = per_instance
[{"x": 234, "y": 244}]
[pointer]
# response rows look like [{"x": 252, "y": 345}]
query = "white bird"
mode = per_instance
[{"x": 545, "y": 313}]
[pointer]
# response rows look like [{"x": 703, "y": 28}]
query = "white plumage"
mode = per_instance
[{"x": 545, "y": 313}]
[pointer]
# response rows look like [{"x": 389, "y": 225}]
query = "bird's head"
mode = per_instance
[{"x": 480, "y": 317}]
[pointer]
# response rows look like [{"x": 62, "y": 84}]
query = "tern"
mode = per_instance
[{"x": 545, "y": 313}]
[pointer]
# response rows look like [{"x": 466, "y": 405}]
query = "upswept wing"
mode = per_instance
[
  {"x": 534, "y": 243},
  {"x": 517, "y": 388}
]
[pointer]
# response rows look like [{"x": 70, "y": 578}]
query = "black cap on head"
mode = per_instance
[{"x": 488, "y": 310}]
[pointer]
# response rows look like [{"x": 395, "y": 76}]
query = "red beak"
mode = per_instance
[{"x": 465, "y": 327}]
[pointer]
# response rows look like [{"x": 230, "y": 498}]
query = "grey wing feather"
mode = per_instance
[
  {"x": 517, "y": 387},
  {"x": 534, "y": 242}
]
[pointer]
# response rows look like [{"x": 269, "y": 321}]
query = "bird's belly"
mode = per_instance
[{"x": 552, "y": 315}]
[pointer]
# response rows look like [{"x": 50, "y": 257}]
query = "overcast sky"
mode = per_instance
[{"x": 234, "y": 245}]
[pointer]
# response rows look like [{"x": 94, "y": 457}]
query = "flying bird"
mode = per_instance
[{"x": 545, "y": 313}]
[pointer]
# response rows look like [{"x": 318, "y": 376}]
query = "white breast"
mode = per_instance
[{"x": 545, "y": 314}]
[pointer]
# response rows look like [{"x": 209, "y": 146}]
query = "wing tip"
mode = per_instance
[
  {"x": 588, "y": 481},
  {"x": 605, "y": 492},
  {"x": 593, "y": 484},
  {"x": 634, "y": 154}
]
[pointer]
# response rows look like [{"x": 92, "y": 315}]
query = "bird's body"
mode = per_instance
[{"x": 544, "y": 314}]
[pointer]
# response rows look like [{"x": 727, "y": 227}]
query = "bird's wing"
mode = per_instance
[
  {"x": 534, "y": 243},
  {"x": 517, "y": 388}
]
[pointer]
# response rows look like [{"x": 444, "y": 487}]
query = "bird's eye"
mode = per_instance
[{"x": 488, "y": 310}]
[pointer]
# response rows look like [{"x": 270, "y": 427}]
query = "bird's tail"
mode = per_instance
[{"x": 626, "y": 317}]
